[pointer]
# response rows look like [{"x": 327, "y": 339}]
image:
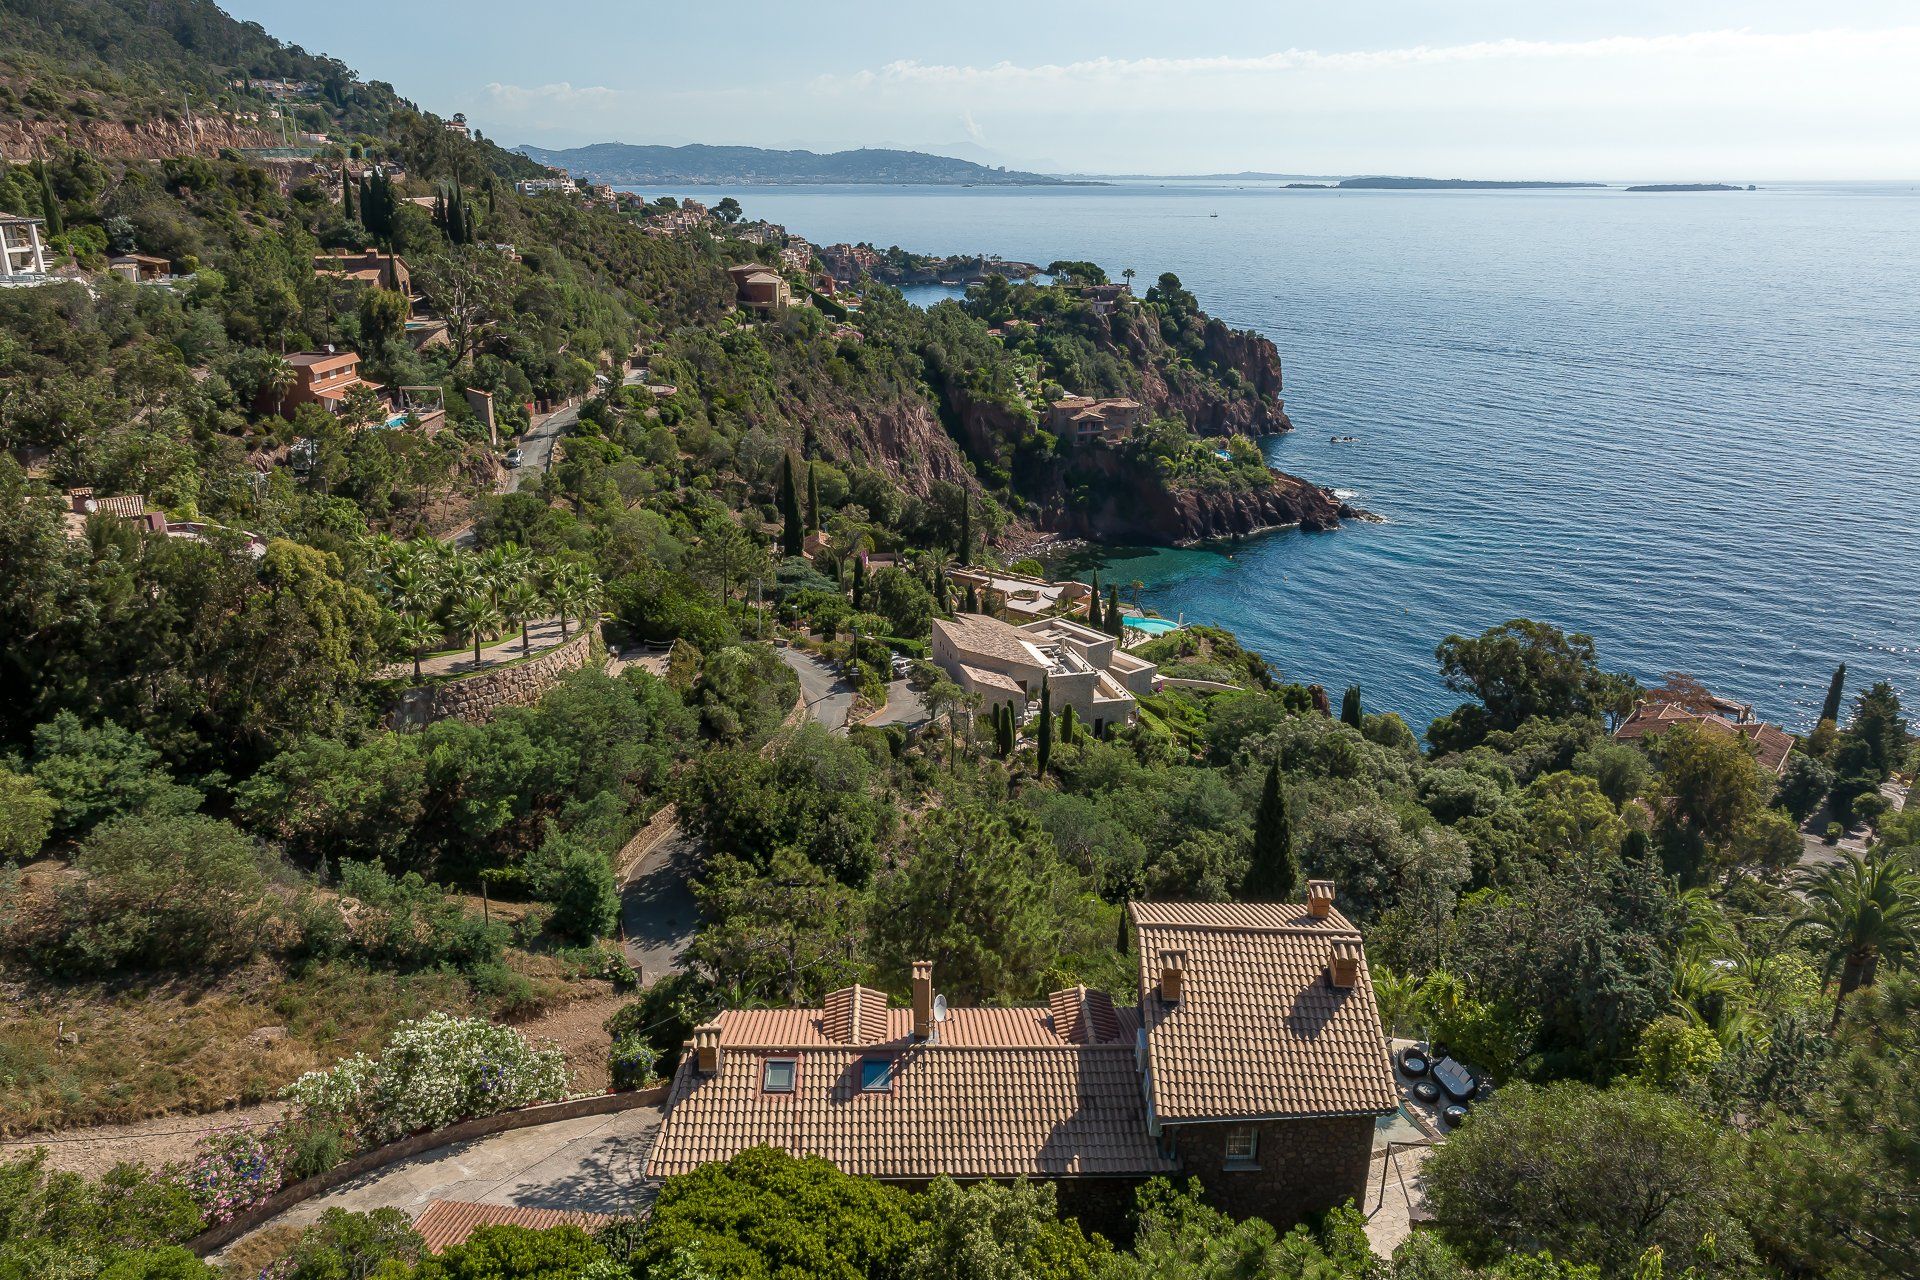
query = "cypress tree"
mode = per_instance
[
  {"x": 1350, "y": 706},
  {"x": 1044, "y": 753},
  {"x": 50, "y": 203},
  {"x": 1093, "y": 606},
  {"x": 1836, "y": 687},
  {"x": 1272, "y": 873},
  {"x": 1066, "y": 725},
  {"x": 966, "y": 528},
  {"x": 813, "y": 500},
  {"x": 440, "y": 212},
  {"x": 347, "y": 185},
  {"x": 791, "y": 539},
  {"x": 859, "y": 581},
  {"x": 1116, "y": 621},
  {"x": 972, "y": 603}
]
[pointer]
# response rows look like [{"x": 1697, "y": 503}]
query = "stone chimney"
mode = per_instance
[
  {"x": 1320, "y": 898},
  {"x": 706, "y": 1049},
  {"x": 923, "y": 999},
  {"x": 1173, "y": 972},
  {"x": 1343, "y": 966}
]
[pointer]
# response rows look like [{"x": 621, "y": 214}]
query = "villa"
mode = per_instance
[
  {"x": 141, "y": 268},
  {"x": 1770, "y": 744},
  {"x": 1085, "y": 420},
  {"x": 1007, "y": 665},
  {"x": 1024, "y": 596},
  {"x": 323, "y": 378},
  {"x": 367, "y": 266},
  {"x": 760, "y": 288},
  {"x": 1251, "y": 1057},
  {"x": 21, "y": 253}
]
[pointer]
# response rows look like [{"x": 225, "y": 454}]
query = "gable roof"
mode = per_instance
[
  {"x": 990, "y": 638},
  {"x": 1045, "y": 1091},
  {"x": 446, "y": 1223},
  {"x": 1260, "y": 1031}
]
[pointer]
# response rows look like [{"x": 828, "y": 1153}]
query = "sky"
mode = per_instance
[{"x": 1684, "y": 90}]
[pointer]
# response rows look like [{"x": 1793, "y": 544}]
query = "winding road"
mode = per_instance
[{"x": 829, "y": 694}]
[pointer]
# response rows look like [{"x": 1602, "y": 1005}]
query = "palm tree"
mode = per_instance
[
  {"x": 277, "y": 377},
  {"x": 1866, "y": 910},
  {"x": 518, "y": 605},
  {"x": 1128, "y": 275},
  {"x": 475, "y": 615},
  {"x": 417, "y": 632}
]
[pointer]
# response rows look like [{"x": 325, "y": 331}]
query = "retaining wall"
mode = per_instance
[
  {"x": 597, "y": 1104},
  {"x": 477, "y": 698}
]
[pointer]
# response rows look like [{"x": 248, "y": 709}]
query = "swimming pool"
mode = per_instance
[{"x": 1153, "y": 626}]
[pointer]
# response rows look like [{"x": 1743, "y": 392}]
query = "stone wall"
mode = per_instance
[
  {"x": 476, "y": 698},
  {"x": 1300, "y": 1166}
]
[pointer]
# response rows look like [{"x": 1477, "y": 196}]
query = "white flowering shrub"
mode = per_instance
[{"x": 433, "y": 1071}]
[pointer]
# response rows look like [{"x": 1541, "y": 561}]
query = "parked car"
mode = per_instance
[{"x": 513, "y": 457}]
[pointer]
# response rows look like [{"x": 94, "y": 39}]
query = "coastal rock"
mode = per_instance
[
  {"x": 1134, "y": 505},
  {"x": 1173, "y": 388}
]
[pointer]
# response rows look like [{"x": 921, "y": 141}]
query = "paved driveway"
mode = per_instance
[
  {"x": 903, "y": 708},
  {"x": 594, "y": 1164},
  {"x": 536, "y": 448},
  {"x": 829, "y": 695},
  {"x": 658, "y": 915}
]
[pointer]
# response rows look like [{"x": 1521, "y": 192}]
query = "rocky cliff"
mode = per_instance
[
  {"x": 153, "y": 139},
  {"x": 1130, "y": 503},
  {"x": 1232, "y": 387}
]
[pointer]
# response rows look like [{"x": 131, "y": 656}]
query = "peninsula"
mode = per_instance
[
  {"x": 619, "y": 162},
  {"x": 1693, "y": 186}
]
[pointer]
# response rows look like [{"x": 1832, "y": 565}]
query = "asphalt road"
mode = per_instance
[
  {"x": 536, "y": 448},
  {"x": 829, "y": 695},
  {"x": 903, "y": 708},
  {"x": 658, "y": 914}
]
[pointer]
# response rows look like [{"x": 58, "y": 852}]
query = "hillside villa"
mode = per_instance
[
  {"x": 1251, "y": 1057},
  {"x": 83, "y": 504},
  {"x": 367, "y": 266},
  {"x": 141, "y": 268},
  {"x": 1006, "y": 665},
  {"x": 1085, "y": 420},
  {"x": 1024, "y": 597},
  {"x": 759, "y": 287},
  {"x": 1770, "y": 744},
  {"x": 21, "y": 253}
]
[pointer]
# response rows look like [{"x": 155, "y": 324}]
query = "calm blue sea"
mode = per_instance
[{"x": 1686, "y": 424}]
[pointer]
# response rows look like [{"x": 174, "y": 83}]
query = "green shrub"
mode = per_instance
[
  {"x": 586, "y": 905},
  {"x": 632, "y": 1062}
]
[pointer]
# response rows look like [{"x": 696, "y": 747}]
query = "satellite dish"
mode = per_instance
[{"x": 939, "y": 1008}]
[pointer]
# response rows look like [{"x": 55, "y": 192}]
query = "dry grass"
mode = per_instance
[{"x": 73, "y": 1055}]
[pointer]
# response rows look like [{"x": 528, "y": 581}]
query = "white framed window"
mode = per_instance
[
  {"x": 1243, "y": 1145},
  {"x": 778, "y": 1076}
]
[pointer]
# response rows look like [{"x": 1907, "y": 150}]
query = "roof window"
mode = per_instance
[
  {"x": 876, "y": 1075},
  {"x": 778, "y": 1076}
]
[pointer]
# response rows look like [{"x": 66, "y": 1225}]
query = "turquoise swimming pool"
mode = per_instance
[{"x": 1153, "y": 626}]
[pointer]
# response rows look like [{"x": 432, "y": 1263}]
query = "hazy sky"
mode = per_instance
[{"x": 1683, "y": 89}]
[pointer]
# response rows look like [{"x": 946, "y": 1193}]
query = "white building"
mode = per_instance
[
  {"x": 21, "y": 254},
  {"x": 1006, "y": 665}
]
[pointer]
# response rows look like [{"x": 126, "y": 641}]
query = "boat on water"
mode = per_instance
[{"x": 1343, "y": 439}]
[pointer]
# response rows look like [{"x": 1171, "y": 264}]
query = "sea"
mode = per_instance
[{"x": 1687, "y": 424}]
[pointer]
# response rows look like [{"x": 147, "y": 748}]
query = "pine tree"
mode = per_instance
[
  {"x": 1066, "y": 726},
  {"x": 792, "y": 541},
  {"x": 1350, "y": 706},
  {"x": 1272, "y": 873},
  {"x": 966, "y": 528},
  {"x": 1094, "y": 619},
  {"x": 1836, "y": 688},
  {"x": 813, "y": 500},
  {"x": 1044, "y": 752}
]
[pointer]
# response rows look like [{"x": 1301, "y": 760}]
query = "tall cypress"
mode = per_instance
[
  {"x": 966, "y": 528},
  {"x": 813, "y": 500},
  {"x": 50, "y": 203},
  {"x": 972, "y": 603},
  {"x": 792, "y": 541},
  {"x": 1044, "y": 752},
  {"x": 1830, "y": 709},
  {"x": 1093, "y": 606},
  {"x": 1272, "y": 873},
  {"x": 1066, "y": 725},
  {"x": 347, "y": 186},
  {"x": 1350, "y": 706},
  {"x": 859, "y": 581},
  {"x": 1116, "y": 621}
]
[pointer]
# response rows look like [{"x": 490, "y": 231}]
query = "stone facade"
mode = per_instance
[
  {"x": 477, "y": 698},
  {"x": 1299, "y": 1166}
]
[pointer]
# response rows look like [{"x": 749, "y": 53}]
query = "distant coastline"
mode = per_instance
[
  {"x": 1692, "y": 186},
  {"x": 696, "y": 165}
]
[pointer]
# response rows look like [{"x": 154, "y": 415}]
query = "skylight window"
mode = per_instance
[
  {"x": 876, "y": 1075},
  {"x": 779, "y": 1074}
]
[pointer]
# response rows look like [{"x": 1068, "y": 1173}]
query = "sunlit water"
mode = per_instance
[{"x": 1687, "y": 424}]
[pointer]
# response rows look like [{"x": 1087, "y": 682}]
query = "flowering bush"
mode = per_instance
[
  {"x": 632, "y": 1062},
  {"x": 232, "y": 1172},
  {"x": 434, "y": 1071}
]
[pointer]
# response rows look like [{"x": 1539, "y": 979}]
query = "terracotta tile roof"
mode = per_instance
[
  {"x": 855, "y": 1015},
  {"x": 1259, "y": 1029},
  {"x": 1771, "y": 745},
  {"x": 969, "y": 1112},
  {"x": 446, "y": 1223},
  {"x": 1082, "y": 1015}
]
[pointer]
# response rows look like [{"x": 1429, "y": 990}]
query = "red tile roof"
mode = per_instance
[
  {"x": 1259, "y": 1031},
  {"x": 446, "y": 1223},
  {"x": 1771, "y": 745}
]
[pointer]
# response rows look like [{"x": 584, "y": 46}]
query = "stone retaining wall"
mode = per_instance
[
  {"x": 477, "y": 698},
  {"x": 597, "y": 1104},
  {"x": 658, "y": 827}
]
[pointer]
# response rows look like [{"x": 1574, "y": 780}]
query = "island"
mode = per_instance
[
  {"x": 1693, "y": 186},
  {"x": 699, "y": 165}
]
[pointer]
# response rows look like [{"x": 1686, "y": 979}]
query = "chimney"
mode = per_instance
[
  {"x": 1320, "y": 898},
  {"x": 1173, "y": 969},
  {"x": 82, "y": 499},
  {"x": 923, "y": 999},
  {"x": 1343, "y": 967},
  {"x": 706, "y": 1049}
]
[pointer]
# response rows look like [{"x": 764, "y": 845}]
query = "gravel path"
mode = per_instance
[{"x": 95, "y": 1150}]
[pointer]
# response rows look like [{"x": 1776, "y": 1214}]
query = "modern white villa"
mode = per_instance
[{"x": 1082, "y": 668}]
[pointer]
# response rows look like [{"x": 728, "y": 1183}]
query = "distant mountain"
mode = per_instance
[
  {"x": 755, "y": 166},
  {"x": 1454, "y": 184}
]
